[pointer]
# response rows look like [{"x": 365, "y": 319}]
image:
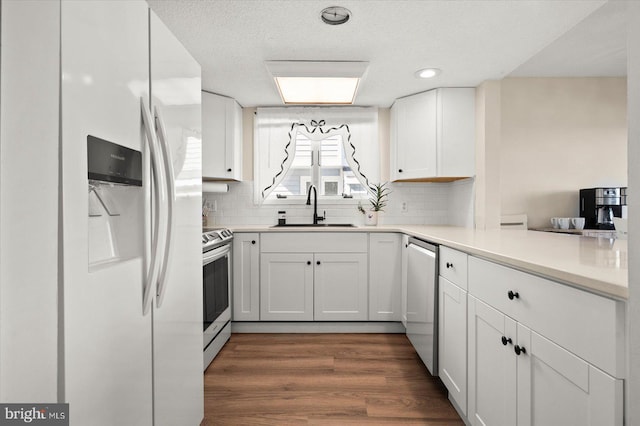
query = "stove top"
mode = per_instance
[{"x": 216, "y": 238}]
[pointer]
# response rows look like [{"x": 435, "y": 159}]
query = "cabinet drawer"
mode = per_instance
[
  {"x": 586, "y": 324},
  {"x": 453, "y": 266},
  {"x": 314, "y": 242}
]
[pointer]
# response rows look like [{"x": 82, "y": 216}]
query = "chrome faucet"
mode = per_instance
[{"x": 316, "y": 218}]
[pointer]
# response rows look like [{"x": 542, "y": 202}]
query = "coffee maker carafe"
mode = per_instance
[{"x": 600, "y": 205}]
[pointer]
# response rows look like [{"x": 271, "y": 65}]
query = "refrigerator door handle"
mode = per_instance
[
  {"x": 158, "y": 200},
  {"x": 170, "y": 205}
]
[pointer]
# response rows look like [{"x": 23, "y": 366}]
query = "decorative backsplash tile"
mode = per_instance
[{"x": 426, "y": 204}]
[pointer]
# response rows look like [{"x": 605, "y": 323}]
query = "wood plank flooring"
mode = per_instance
[{"x": 323, "y": 379}]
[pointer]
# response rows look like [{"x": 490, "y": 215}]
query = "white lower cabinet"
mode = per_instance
[
  {"x": 313, "y": 287},
  {"x": 492, "y": 367},
  {"x": 518, "y": 377},
  {"x": 452, "y": 344},
  {"x": 314, "y": 277},
  {"x": 555, "y": 387},
  {"x": 404, "y": 259},
  {"x": 286, "y": 284},
  {"x": 385, "y": 274},
  {"x": 340, "y": 287},
  {"x": 246, "y": 277}
]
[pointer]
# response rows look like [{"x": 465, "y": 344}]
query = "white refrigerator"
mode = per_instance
[{"x": 128, "y": 305}]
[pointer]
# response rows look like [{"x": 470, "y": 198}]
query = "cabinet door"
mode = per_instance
[
  {"x": 492, "y": 366},
  {"x": 286, "y": 287},
  {"x": 456, "y": 132},
  {"x": 385, "y": 272},
  {"x": 452, "y": 341},
  {"x": 221, "y": 137},
  {"x": 403, "y": 285},
  {"x": 340, "y": 287},
  {"x": 246, "y": 279},
  {"x": 415, "y": 136},
  {"x": 233, "y": 144},
  {"x": 555, "y": 387}
]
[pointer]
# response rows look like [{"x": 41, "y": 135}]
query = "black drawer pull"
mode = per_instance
[
  {"x": 228, "y": 170},
  {"x": 253, "y": 241},
  {"x": 449, "y": 265},
  {"x": 318, "y": 262},
  {"x": 519, "y": 350},
  {"x": 513, "y": 295},
  {"x": 308, "y": 262},
  {"x": 506, "y": 340}
]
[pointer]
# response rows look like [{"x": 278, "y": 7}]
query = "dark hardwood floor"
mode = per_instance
[{"x": 323, "y": 379}]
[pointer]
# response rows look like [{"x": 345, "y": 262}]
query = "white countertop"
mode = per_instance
[{"x": 596, "y": 264}]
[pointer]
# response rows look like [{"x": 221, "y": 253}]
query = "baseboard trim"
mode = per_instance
[{"x": 317, "y": 327}]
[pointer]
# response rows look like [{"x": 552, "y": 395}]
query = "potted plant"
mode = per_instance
[{"x": 378, "y": 200}]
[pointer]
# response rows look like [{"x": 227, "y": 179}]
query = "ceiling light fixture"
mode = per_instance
[
  {"x": 335, "y": 15},
  {"x": 317, "y": 82},
  {"x": 427, "y": 73}
]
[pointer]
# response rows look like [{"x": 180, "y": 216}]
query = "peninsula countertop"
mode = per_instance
[{"x": 596, "y": 264}]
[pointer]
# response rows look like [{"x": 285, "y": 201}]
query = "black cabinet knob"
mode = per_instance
[
  {"x": 228, "y": 170},
  {"x": 318, "y": 262},
  {"x": 449, "y": 265},
  {"x": 513, "y": 295},
  {"x": 253, "y": 241},
  {"x": 506, "y": 340},
  {"x": 308, "y": 262},
  {"x": 399, "y": 170},
  {"x": 519, "y": 350}
]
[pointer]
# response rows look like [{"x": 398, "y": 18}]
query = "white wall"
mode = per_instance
[{"x": 559, "y": 135}]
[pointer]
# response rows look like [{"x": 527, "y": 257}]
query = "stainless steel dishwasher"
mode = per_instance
[{"x": 422, "y": 297}]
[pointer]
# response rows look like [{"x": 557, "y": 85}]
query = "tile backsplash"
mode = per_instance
[{"x": 426, "y": 204}]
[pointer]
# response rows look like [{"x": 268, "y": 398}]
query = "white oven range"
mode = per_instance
[{"x": 216, "y": 285}]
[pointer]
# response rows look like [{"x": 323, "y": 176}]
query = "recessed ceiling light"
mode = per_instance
[
  {"x": 317, "y": 82},
  {"x": 427, "y": 73},
  {"x": 335, "y": 15}
]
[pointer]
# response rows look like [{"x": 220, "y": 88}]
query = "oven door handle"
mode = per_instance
[{"x": 215, "y": 254}]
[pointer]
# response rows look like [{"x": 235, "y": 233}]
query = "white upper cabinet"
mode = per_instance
[
  {"x": 221, "y": 138},
  {"x": 433, "y": 135}
]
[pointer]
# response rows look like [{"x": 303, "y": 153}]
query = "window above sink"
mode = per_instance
[{"x": 335, "y": 149}]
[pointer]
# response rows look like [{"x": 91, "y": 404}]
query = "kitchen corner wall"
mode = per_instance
[{"x": 427, "y": 204}]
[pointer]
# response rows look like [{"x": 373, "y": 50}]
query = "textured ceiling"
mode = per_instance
[
  {"x": 471, "y": 41},
  {"x": 596, "y": 47}
]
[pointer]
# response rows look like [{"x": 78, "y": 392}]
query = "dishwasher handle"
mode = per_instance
[{"x": 425, "y": 245}]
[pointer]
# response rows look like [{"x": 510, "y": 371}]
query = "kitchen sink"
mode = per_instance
[{"x": 311, "y": 225}]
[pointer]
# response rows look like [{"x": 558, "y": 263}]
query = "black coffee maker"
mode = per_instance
[{"x": 599, "y": 206}]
